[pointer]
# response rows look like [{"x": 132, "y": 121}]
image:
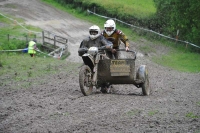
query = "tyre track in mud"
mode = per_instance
[{"x": 58, "y": 105}]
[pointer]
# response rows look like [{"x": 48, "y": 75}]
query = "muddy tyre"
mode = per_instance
[
  {"x": 85, "y": 80},
  {"x": 142, "y": 74},
  {"x": 104, "y": 90}
]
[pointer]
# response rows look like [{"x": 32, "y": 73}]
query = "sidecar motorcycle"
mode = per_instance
[{"x": 99, "y": 72}]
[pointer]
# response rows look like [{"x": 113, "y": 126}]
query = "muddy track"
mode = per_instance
[{"x": 58, "y": 105}]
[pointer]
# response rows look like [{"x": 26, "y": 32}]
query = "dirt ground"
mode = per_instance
[{"x": 58, "y": 106}]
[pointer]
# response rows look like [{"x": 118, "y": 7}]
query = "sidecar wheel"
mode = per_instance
[
  {"x": 142, "y": 74},
  {"x": 85, "y": 80}
]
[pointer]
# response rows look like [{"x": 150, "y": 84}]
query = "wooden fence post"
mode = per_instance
[
  {"x": 177, "y": 37},
  {"x": 8, "y": 37},
  {"x": 43, "y": 37},
  {"x": 186, "y": 45},
  {"x": 54, "y": 41}
]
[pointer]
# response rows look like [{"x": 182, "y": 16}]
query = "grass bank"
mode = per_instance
[
  {"x": 139, "y": 9},
  {"x": 179, "y": 60}
]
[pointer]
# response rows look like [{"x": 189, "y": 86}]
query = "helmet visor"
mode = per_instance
[
  {"x": 109, "y": 28},
  {"x": 93, "y": 32}
]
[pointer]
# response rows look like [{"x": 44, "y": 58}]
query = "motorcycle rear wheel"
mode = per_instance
[{"x": 85, "y": 80}]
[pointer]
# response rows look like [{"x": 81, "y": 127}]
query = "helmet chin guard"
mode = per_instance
[{"x": 110, "y": 27}]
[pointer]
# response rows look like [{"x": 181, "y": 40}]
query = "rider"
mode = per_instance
[
  {"x": 95, "y": 39},
  {"x": 115, "y": 36}
]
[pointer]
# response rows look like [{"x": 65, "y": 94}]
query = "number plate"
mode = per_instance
[{"x": 119, "y": 68}]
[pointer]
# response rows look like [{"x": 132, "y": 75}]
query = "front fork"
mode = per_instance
[
  {"x": 95, "y": 70},
  {"x": 94, "y": 79}
]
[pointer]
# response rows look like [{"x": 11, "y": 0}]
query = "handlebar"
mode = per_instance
[
  {"x": 82, "y": 51},
  {"x": 102, "y": 48}
]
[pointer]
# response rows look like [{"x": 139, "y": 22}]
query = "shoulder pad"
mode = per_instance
[{"x": 118, "y": 31}]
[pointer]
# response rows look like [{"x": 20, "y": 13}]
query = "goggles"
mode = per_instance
[
  {"x": 109, "y": 28},
  {"x": 93, "y": 32}
]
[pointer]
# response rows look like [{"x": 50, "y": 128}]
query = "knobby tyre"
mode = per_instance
[
  {"x": 143, "y": 75},
  {"x": 85, "y": 80},
  {"x": 145, "y": 85}
]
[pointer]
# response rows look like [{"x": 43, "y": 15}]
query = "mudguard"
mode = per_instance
[
  {"x": 88, "y": 60},
  {"x": 140, "y": 75}
]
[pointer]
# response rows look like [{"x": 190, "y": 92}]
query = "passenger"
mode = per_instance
[
  {"x": 95, "y": 39},
  {"x": 115, "y": 36}
]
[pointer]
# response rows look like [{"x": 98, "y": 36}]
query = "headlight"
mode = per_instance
[{"x": 93, "y": 50}]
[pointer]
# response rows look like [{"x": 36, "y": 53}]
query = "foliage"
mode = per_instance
[
  {"x": 180, "y": 15},
  {"x": 13, "y": 44}
]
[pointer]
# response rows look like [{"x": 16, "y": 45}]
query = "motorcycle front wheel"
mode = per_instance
[{"x": 85, "y": 80}]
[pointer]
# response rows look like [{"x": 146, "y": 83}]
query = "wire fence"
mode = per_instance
[
  {"x": 19, "y": 24},
  {"x": 29, "y": 36},
  {"x": 151, "y": 31},
  {"x": 39, "y": 36}
]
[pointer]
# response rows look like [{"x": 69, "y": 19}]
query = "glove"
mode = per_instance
[
  {"x": 127, "y": 48},
  {"x": 113, "y": 51}
]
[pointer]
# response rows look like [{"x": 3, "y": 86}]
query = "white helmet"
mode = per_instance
[
  {"x": 110, "y": 24},
  {"x": 94, "y": 32}
]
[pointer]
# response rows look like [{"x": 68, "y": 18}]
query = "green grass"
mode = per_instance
[
  {"x": 191, "y": 115},
  {"x": 133, "y": 112},
  {"x": 14, "y": 29},
  {"x": 9, "y": 19},
  {"x": 146, "y": 49},
  {"x": 13, "y": 36},
  {"x": 181, "y": 61},
  {"x": 137, "y": 8},
  {"x": 22, "y": 68},
  {"x": 153, "y": 112}
]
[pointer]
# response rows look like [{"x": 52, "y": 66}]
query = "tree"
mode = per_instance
[{"x": 180, "y": 15}]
